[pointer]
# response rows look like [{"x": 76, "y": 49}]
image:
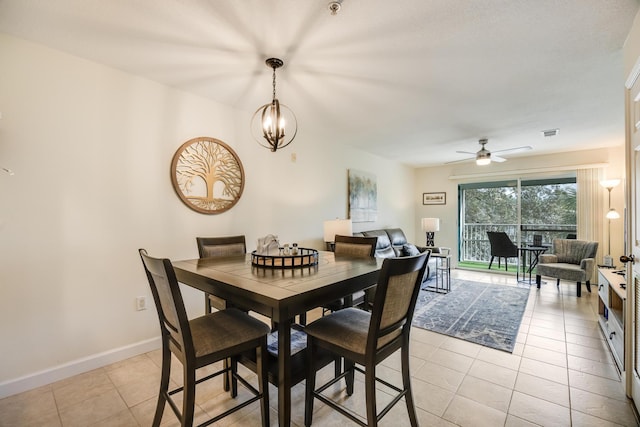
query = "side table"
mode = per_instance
[
  {"x": 533, "y": 253},
  {"x": 443, "y": 272}
]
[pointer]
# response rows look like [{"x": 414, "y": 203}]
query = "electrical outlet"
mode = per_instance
[{"x": 141, "y": 303}]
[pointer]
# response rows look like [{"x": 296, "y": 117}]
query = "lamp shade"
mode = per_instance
[
  {"x": 610, "y": 183},
  {"x": 430, "y": 224},
  {"x": 612, "y": 214},
  {"x": 483, "y": 161},
  {"x": 336, "y": 226}
]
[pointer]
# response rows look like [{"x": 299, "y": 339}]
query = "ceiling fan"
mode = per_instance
[{"x": 484, "y": 156}]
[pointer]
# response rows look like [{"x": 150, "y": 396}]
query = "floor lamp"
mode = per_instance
[{"x": 611, "y": 214}]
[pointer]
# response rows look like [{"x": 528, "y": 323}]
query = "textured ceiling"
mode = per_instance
[{"x": 411, "y": 80}]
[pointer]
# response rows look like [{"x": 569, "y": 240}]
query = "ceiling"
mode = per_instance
[{"x": 413, "y": 81}]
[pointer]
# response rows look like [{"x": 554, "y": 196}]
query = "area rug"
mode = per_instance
[{"x": 482, "y": 313}]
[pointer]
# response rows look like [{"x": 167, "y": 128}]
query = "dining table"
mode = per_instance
[{"x": 280, "y": 294}]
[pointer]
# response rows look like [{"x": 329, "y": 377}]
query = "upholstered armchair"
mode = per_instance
[{"x": 569, "y": 260}]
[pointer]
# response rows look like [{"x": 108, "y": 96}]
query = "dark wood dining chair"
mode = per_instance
[
  {"x": 213, "y": 247},
  {"x": 358, "y": 247},
  {"x": 368, "y": 338},
  {"x": 200, "y": 342}
]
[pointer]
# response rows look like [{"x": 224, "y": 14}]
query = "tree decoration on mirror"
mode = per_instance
[{"x": 207, "y": 175}]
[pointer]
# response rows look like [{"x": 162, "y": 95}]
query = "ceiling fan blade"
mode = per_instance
[
  {"x": 466, "y": 152},
  {"x": 460, "y": 161},
  {"x": 498, "y": 159},
  {"x": 514, "y": 150}
]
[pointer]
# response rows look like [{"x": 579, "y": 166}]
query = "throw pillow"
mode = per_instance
[{"x": 410, "y": 250}]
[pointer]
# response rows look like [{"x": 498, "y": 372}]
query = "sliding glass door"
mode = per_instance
[
  {"x": 486, "y": 206},
  {"x": 521, "y": 208}
]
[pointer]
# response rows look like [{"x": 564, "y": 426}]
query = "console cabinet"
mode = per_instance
[{"x": 611, "y": 311}]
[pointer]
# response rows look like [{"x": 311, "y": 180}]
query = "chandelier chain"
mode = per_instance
[{"x": 274, "y": 83}]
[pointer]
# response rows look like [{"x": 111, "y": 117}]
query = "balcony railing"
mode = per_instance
[{"x": 474, "y": 245}]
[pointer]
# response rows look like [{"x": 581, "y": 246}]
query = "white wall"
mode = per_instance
[
  {"x": 438, "y": 179},
  {"x": 91, "y": 149},
  {"x": 631, "y": 50}
]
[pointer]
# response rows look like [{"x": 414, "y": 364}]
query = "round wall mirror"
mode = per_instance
[{"x": 207, "y": 175}]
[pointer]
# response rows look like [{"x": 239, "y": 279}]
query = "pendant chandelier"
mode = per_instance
[{"x": 274, "y": 125}]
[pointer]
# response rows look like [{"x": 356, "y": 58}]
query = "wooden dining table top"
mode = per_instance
[{"x": 270, "y": 290}]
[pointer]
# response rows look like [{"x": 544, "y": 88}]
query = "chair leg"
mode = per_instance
[
  {"x": 234, "y": 381},
  {"x": 350, "y": 377},
  {"x": 226, "y": 377},
  {"x": 588, "y": 283},
  {"x": 370, "y": 395},
  {"x": 207, "y": 304},
  {"x": 189, "y": 396},
  {"x": 506, "y": 266},
  {"x": 164, "y": 385},
  {"x": 579, "y": 291},
  {"x": 538, "y": 281},
  {"x": 491, "y": 262},
  {"x": 263, "y": 382},
  {"x": 310, "y": 383},
  {"x": 207, "y": 310},
  {"x": 337, "y": 370},
  {"x": 558, "y": 283},
  {"x": 406, "y": 381}
]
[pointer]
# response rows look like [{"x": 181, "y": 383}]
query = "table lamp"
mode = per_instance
[
  {"x": 430, "y": 226},
  {"x": 332, "y": 227}
]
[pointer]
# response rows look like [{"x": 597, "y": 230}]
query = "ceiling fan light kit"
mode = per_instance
[
  {"x": 484, "y": 157},
  {"x": 483, "y": 161}
]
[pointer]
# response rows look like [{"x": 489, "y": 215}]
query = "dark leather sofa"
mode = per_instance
[{"x": 393, "y": 243}]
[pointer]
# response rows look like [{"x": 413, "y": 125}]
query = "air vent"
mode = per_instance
[{"x": 550, "y": 132}]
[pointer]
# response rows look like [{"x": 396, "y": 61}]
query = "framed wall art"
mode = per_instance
[
  {"x": 207, "y": 175},
  {"x": 363, "y": 196},
  {"x": 434, "y": 198}
]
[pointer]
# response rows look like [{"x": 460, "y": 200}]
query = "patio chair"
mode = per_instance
[{"x": 501, "y": 247}]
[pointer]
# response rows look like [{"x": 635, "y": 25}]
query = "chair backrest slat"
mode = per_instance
[
  {"x": 355, "y": 246},
  {"x": 209, "y": 247}
]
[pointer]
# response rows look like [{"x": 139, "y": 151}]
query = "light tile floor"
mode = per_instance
[{"x": 560, "y": 374}]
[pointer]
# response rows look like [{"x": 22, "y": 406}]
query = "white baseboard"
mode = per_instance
[{"x": 75, "y": 367}]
